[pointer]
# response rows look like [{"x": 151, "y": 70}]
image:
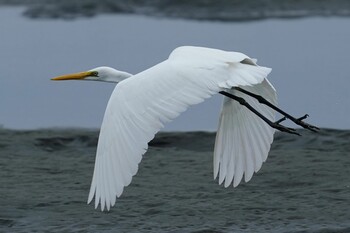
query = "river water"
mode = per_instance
[{"x": 303, "y": 187}]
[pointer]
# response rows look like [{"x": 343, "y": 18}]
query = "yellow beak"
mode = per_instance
[{"x": 75, "y": 76}]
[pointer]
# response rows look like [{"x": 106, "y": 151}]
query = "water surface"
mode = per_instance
[{"x": 303, "y": 187}]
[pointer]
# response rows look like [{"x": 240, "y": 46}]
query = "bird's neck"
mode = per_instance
[{"x": 117, "y": 76}]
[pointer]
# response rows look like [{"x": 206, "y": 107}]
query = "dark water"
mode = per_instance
[
  {"x": 225, "y": 10},
  {"x": 303, "y": 187}
]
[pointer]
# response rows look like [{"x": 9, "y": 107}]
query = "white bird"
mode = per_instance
[{"x": 140, "y": 104}]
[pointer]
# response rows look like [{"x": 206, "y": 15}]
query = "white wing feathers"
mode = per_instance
[
  {"x": 141, "y": 104},
  {"x": 243, "y": 140}
]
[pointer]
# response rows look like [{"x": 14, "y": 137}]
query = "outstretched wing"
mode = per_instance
[
  {"x": 243, "y": 140},
  {"x": 141, "y": 104}
]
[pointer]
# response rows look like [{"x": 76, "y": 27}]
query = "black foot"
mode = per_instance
[
  {"x": 299, "y": 121},
  {"x": 283, "y": 128},
  {"x": 275, "y": 125}
]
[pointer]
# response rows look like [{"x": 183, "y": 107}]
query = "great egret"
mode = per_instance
[{"x": 140, "y": 104}]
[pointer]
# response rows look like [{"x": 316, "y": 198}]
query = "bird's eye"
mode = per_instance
[{"x": 94, "y": 73}]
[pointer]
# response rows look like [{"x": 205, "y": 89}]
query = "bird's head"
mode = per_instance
[{"x": 103, "y": 74}]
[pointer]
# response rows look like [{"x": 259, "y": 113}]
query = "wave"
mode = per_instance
[
  {"x": 227, "y": 10},
  {"x": 45, "y": 176},
  {"x": 59, "y": 139}
]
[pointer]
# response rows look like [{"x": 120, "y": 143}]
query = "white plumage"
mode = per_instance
[{"x": 141, "y": 104}]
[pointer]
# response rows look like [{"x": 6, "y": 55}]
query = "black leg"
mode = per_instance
[
  {"x": 275, "y": 125},
  {"x": 298, "y": 121}
]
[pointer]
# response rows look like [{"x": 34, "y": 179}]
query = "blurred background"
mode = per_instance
[
  {"x": 45, "y": 174},
  {"x": 306, "y": 43}
]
